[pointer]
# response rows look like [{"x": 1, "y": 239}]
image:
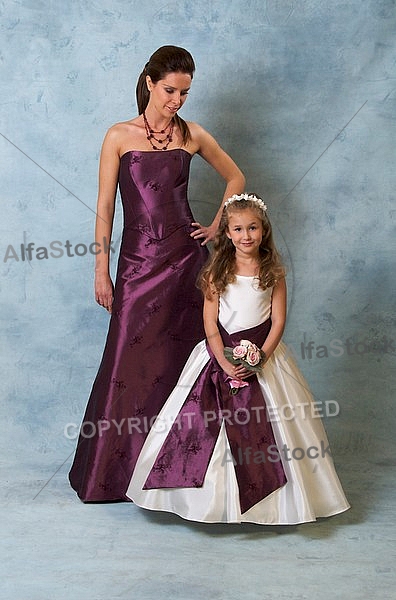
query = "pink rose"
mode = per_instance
[
  {"x": 253, "y": 357},
  {"x": 245, "y": 343},
  {"x": 239, "y": 352},
  {"x": 237, "y": 383}
]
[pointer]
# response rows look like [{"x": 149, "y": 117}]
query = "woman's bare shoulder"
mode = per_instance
[
  {"x": 196, "y": 129},
  {"x": 124, "y": 127},
  {"x": 125, "y": 134},
  {"x": 199, "y": 136}
]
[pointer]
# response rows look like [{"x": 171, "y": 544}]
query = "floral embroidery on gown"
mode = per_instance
[{"x": 156, "y": 322}]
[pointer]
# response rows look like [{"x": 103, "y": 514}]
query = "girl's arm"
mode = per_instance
[
  {"x": 210, "y": 314},
  {"x": 108, "y": 177},
  {"x": 210, "y": 150},
  {"x": 278, "y": 318}
]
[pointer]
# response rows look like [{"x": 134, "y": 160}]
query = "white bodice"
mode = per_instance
[{"x": 244, "y": 305}]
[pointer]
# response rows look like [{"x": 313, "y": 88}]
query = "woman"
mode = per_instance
[{"x": 155, "y": 308}]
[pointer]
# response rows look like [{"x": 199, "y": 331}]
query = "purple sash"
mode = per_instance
[{"x": 184, "y": 457}]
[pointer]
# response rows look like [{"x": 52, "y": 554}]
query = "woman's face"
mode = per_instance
[{"x": 168, "y": 95}]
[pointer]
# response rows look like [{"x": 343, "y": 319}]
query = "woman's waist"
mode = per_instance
[
  {"x": 145, "y": 245},
  {"x": 158, "y": 231}
]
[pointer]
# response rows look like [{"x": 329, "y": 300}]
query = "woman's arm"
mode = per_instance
[
  {"x": 278, "y": 318},
  {"x": 210, "y": 314},
  {"x": 210, "y": 150},
  {"x": 108, "y": 177}
]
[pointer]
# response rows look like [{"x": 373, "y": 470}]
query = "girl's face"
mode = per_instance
[
  {"x": 168, "y": 95},
  {"x": 245, "y": 230}
]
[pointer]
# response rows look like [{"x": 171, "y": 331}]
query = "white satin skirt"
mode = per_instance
[{"x": 312, "y": 489}]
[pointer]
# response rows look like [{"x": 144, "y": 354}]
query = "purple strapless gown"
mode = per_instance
[{"x": 156, "y": 322}]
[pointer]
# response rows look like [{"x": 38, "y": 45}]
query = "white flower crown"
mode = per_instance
[{"x": 251, "y": 197}]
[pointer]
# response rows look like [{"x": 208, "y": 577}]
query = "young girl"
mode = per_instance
[{"x": 232, "y": 444}]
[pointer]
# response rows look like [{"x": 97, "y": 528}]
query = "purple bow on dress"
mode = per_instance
[{"x": 184, "y": 457}]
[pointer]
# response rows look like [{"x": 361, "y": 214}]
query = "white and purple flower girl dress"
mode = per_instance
[{"x": 258, "y": 456}]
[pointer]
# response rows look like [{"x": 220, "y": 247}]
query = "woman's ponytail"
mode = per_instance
[{"x": 142, "y": 93}]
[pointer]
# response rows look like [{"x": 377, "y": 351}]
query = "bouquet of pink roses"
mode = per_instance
[{"x": 246, "y": 354}]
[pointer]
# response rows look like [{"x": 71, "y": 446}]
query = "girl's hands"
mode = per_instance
[
  {"x": 104, "y": 291},
  {"x": 236, "y": 371}
]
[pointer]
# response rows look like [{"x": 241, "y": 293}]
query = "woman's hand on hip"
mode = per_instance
[{"x": 206, "y": 234}]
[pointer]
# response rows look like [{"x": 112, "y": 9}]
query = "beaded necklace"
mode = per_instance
[{"x": 150, "y": 134}]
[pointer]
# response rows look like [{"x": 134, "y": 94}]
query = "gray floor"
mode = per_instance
[{"x": 58, "y": 548}]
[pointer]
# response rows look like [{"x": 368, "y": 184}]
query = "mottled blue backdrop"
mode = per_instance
[{"x": 301, "y": 93}]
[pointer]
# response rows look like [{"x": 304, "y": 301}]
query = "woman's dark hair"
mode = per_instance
[{"x": 167, "y": 59}]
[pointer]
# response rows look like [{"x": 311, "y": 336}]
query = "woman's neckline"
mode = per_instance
[
  {"x": 155, "y": 152},
  {"x": 246, "y": 276}
]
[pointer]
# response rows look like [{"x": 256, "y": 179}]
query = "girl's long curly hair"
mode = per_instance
[{"x": 219, "y": 271}]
